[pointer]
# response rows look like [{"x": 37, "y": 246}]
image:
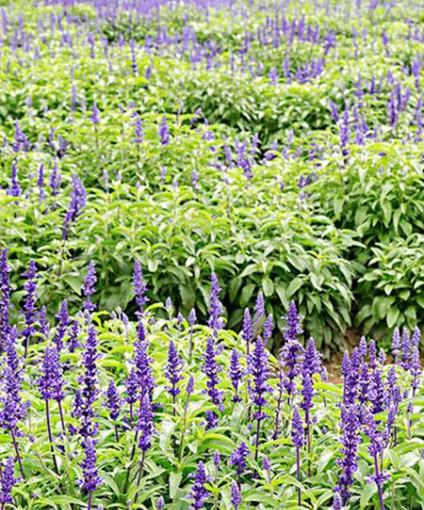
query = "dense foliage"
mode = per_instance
[
  {"x": 277, "y": 144},
  {"x": 164, "y": 412}
]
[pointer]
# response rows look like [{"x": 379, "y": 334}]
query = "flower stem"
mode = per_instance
[
  {"x": 15, "y": 444},
  {"x": 140, "y": 473},
  {"x": 299, "y": 492},
  {"x": 49, "y": 430}
]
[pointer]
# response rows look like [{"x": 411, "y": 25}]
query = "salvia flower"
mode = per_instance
[
  {"x": 215, "y": 306},
  {"x": 142, "y": 364},
  {"x": 164, "y": 132},
  {"x": 199, "y": 494},
  {"x": 350, "y": 439},
  {"x": 236, "y": 373},
  {"x": 51, "y": 381},
  {"x": 211, "y": 368},
  {"x": 15, "y": 189},
  {"x": 260, "y": 373},
  {"x": 8, "y": 480},
  {"x": 61, "y": 328},
  {"x": 88, "y": 288},
  {"x": 238, "y": 459},
  {"x": 405, "y": 350},
  {"x": 90, "y": 480},
  {"x": 160, "y": 503},
  {"x": 247, "y": 330},
  {"x": 235, "y": 495},
  {"x": 29, "y": 308},
  {"x": 145, "y": 425},
  {"x": 140, "y": 287},
  {"x": 90, "y": 391},
  {"x": 5, "y": 291},
  {"x": 173, "y": 371},
  {"x": 113, "y": 400},
  {"x": 77, "y": 203}
]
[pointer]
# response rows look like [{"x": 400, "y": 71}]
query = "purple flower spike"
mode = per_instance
[
  {"x": 63, "y": 321},
  {"x": 160, "y": 503},
  {"x": 5, "y": 292},
  {"x": 51, "y": 381},
  {"x": 8, "y": 480},
  {"x": 215, "y": 306},
  {"x": 145, "y": 425},
  {"x": 14, "y": 189},
  {"x": 173, "y": 373},
  {"x": 337, "y": 502},
  {"x": 212, "y": 369},
  {"x": 235, "y": 495},
  {"x": 140, "y": 288},
  {"x": 95, "y": 115},
  {"x": 268, "y": 328},
  {"x": 78, "y": 200},
  {"x": 350, "y": 440},
  {"x": 113, "y": 401},
  {"x": 30, "y": 310},
  {"x": 90, "y": 481},
  {"x": 164, "y": 132},
  {"x": 238, "y": 459},
  {"x": 199, "y": 494},
  {"x": 236, "y": 373},
  {"x": 247, "y": 330},
  {"x": 260, "y": 373},
  {"x": 88, "y": 288},
  {"x": 293, "y": 328}
]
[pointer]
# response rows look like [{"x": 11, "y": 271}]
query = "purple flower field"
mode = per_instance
[{"x": 211, "y": 254}]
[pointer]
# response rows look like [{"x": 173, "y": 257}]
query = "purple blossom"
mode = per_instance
[
  {"x": 61, "y": 328},
  {"x": 90, "y": 480},
  {"x": 236, "y": 373},
  {"x": 51, "y": 381},
  {"x": 337, "y": 502},
  {"x": 235, "y": 495},
  {"x": 77, "y": 203},
  {"x": 5, "y": 292},
  {"x": 312, "y": 359},
  {"x": 145, "y": 425},
  {"x": 406, "y": 350},
  {"x": 88, "y": 288},
  {"x": 113, "y": 400},
  {"x": 350, "y": 440},
  {"x": 43, "y": 322},
  {"x": 95, "y": 115},
  {"x": 142, "y": 365},
  {"x": 73, "y": 342},
  {"x": 160, "y": 503},
  {"x": 140, "y": 288},
  {"x": 199, "y": 494},
  {"x": 215, "y": 306},
  {"x": 8, "y": 480},
  {"x": 211, "y": 369},
  {"x": 15, "y": 189},
  {"x": 247, "y": 330},
  {"x": 173, "y": 372},
  {"x": 238, "y": 459},
  {"x": 164, "y": 132},
  {"x": 132, "y": 390},
  {"x": 85, "y": 399},
  {"x": 268, "y": 328},
  {"x": 29, "y": 308}
]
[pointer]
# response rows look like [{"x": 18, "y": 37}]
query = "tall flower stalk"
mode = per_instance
[
  {"x": 298, "y": 438},
  {"x": 259, "y": 387}
]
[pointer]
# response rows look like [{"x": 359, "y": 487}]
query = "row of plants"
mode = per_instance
[
  {"x": 281, "y": 151},
  {"x": 97, "y": 411}
]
